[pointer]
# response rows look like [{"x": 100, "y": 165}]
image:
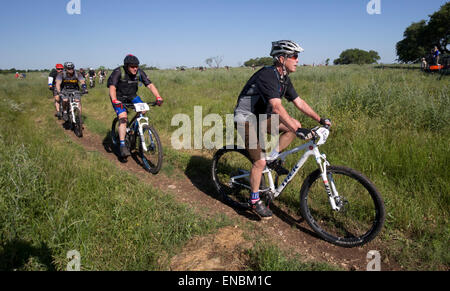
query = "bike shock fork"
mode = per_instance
[
  {"x": 140, "y": 124},
  {"x": 328, "y": 182}
]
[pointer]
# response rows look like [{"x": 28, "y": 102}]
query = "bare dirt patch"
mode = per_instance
[{"x": 223, "y": 251}]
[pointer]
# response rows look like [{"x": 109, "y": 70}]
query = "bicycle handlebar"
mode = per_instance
[
  {"x": 132, "y": 104},
  {"x": 72, "y": 93}
]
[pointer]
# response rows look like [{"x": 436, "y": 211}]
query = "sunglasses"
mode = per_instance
[
  {"x": 134, "y": 67},
  {"x": 294, "y": 56}
]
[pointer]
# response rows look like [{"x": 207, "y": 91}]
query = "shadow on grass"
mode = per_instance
[
  {"x": 198, "y": 171},
  {"x": 15, "y": 255}
]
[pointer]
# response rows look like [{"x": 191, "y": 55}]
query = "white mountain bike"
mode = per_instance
[
  {"x": 141, "y": 138},
  {"x": 340, "y": 204},
  {"x": 74, "y": 112},
  {"x": 91, "y": 82}
]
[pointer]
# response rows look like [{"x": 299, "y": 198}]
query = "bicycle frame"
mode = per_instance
[
  {"x": 72, "y": 96},
  {"x": 72, "y": 105},
  {"x": 137, "y": 123},
  {"x": 311, "y": 149}
]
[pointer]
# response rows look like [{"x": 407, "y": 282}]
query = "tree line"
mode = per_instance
[{"x": 421, "y": 37}]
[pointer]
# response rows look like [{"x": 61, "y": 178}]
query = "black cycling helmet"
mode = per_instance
[
  {"x": 69, "y": 66},
  {"x": 131, "y": 60}
]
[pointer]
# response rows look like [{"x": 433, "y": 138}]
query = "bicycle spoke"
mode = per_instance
[
  {"x": 360, "y": 216},
  {"x": 150, "y": 149},
  {"x": 231, "y": 176}
]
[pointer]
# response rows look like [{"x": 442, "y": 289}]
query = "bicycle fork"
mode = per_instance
[
  {"x": 328, "y": 181},
  {"x": 73, "y": 105},
  {"x": 140, "y": 122}
]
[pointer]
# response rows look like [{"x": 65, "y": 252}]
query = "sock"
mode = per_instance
[
  {"x": 122, "y": 143},
  {"x": 254, "y": 197}
]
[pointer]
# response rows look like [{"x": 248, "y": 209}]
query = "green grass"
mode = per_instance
[
  {"x": 389, "y": 123},
  {"x": 271, "y": 258},
  {"x": 57, "y": 197}
]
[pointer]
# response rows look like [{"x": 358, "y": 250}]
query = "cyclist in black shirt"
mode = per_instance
[
  {"x": 92, "y": 76},
  {"x": 262, "y": 95},
  {"x": 123, "y": 87},
  {"x": 68, "y": 79},
  {"x": 51, "y": 83}
]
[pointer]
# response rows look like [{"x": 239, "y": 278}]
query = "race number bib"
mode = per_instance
[
  {"x": 323, "y": 134},
  {"x": 140, "y": 107}
]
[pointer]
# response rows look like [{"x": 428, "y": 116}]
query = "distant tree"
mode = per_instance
[
  {"x": 266, "y": 61},
  {"x": 412, "y": 48},
  {"x": 420, "y": 37},
  {"x": 214, "y": 62},
  {"x": 218, "y": 60},
  {"x": 357, "y": 56},
  {"x": 327, "y": 62},
  {"x": 209, "y": 62}
]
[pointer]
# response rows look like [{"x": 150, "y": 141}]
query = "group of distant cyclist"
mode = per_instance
[{"x": 262, "y": 95}]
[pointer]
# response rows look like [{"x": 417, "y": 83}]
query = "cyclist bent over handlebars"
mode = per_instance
[
  {"x": 68, "y": 79},
  {"x": 123, "y": 87},
  {"x": 262, "y": 95}
]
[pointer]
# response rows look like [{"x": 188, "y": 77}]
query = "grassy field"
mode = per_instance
[{"x": 389, "y": 123}]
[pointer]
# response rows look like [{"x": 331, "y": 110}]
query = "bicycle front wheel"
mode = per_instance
[
  {"x": 362, "y": 212},
  {"x": 77, "y": 127},
  {"x": 152, "y": 156}
]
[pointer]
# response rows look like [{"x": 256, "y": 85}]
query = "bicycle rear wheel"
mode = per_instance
[
  {"x": 228, "y": 164},
  {"x": 114, "y": 134},
  {"x": 152, "y": 158},
  {"x": 362, "y": 214}
]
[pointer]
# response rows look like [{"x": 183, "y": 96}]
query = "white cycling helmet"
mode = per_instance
[{"x": 285, "y": 47}]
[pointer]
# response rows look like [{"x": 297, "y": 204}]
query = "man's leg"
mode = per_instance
[
  {"x": 287, "y": 137},
  {"x": 123, "y": 118},
  {"x": 65, "y": 107},
  {"x": 254, "y": 149},
  {"x": 58, "y": 113}
]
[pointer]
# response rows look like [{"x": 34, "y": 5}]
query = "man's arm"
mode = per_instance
[
  {"x": 153, "y": 89},
  {"x": 285, "y": 118},
  {"x": 58, "y": 87},
  {"x": 306, "y": 109},
  {"x": 113, "y": 93}
]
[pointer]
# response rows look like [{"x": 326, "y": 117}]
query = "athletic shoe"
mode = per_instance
[
  {"x": 261, "y": 210},
  {"x": 124, "y": 151}
]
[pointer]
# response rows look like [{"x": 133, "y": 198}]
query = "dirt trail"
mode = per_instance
[{"x": 287, "y": 229}]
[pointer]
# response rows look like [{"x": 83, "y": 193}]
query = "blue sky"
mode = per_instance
[{"x": 37, "y": 34}]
